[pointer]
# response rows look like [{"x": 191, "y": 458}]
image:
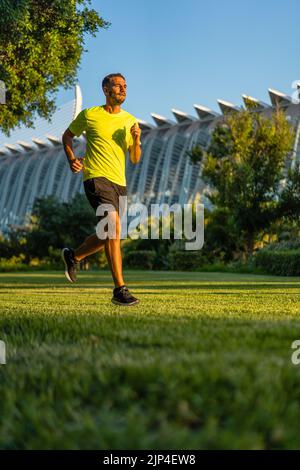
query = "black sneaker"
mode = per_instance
[
  {"x": 122, "y": 296},
  {"x": 67, "y": 255}
]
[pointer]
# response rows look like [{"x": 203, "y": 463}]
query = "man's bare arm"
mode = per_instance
[
  {"x": 135, "y": 153},
  {"x": 135, "y": 150},
  {"x": 75, "y": 163}
]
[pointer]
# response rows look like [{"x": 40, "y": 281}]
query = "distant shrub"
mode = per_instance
[
  {"x": 15, "y": 263},
  {"x": 186, "y": 260},
  {"x": 159, "y": 247},
  {"x": 279, "y": 262},
  {"x": 140, "y": 259},
  {"x": 284, "y": 245},
  {"x": 53, "y": 259}
]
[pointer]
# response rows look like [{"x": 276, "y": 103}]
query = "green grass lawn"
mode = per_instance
[{"x": 204, "y": 362}]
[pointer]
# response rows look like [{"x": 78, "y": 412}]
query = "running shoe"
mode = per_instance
[
  {"x": 71, "y": 265},
  {"x": 122, "y": 296}
]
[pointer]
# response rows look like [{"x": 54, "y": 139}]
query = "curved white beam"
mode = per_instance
[
  {"x": 204, "y": 112},
  {"x": 26, "y": 145},
  {"x": 260, "y": 104},
  {"x": 144, "y": 125},
  {"x": 161, "y": 120},
  {"x": 53, "y": 139},
  {"x": 13, "y": 149},
  {"x": 78, "y": 101},
  {"x": 227, "y": 107},
  {"x": 181, "y": 116},
  {"x": 278, "y": 98},
  {"x": 41, "y": 143}
]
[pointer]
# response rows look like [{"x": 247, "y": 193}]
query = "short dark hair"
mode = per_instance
[{"x": 106, "y": 80}]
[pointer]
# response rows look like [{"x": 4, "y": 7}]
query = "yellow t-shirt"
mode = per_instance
[{"x": 108, "y": 139}]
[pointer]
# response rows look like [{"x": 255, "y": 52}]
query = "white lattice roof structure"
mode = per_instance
[{"x": 33, "y": 163}]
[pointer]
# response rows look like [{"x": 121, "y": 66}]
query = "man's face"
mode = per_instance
[{"x": 116, "y": 91}]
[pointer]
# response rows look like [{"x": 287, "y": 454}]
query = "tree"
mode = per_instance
[
  {"x": 41, "y": 43},
  {"x": 221, "y": 238},
  {"x": 195, "y": 154},
  {"x": 51, "y": 226},
  {"x": 57, "y": 224},
  {"x": 289, "y": 205},
  {"x": 244, "y": 167}
]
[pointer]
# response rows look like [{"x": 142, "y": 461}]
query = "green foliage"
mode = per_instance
[
  {"x": 15, "y": 244},
  {"x": 244, "y": 166},
  {"x": 13, "y": 263},
  {"x": 140, "y": 259},
  {"x": 11, "y": 12},
  {"x": 282, "y": 263},
  {"x": 160, "y": 247},
  {"x": 6, "y": 250},
  {"x": 195, "y": 154},
  {"x": 289, "y": 204},
  {"x": 186, "y": 260},
  {"x": 41, "y": 43},
  {"x": 281, "y": 258},
  {"x": 284, "y": 245},
  {"x": 53, "y": 225},
  {"x": 57, "y": 224},
  {"x": 221, "y": 241},
  {"x": 54, "y": 258},
  {"x": 285, "y": 229}
]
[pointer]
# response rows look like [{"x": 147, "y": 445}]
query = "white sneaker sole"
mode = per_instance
[{"x": 66, "y": 266}]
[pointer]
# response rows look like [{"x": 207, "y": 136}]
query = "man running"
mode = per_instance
[{"x": 110, "y": 133}]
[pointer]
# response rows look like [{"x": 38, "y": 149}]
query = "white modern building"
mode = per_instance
[{"x": 33, "y": 163}]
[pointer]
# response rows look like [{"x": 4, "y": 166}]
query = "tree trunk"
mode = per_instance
[{"x": 250, "y": 244}]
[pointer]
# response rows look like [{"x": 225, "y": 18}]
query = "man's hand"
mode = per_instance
[
  {"x": 76, "y": 165},
  {"x": 136, "y": 133},
  {"x": 135, "y": 150}
]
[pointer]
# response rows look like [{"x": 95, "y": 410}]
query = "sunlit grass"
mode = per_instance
[{"x": 204, "y": 361}]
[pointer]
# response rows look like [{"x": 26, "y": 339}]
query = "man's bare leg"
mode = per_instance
[
  {"x": 113, "y": 251},
  {"x": 112, "y": 244},
  {"x": 121, "y": 294},
  {"x": 114, "y": 258},
  {"x": 91, "y": 245}
]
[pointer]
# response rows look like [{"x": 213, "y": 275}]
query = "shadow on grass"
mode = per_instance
[{"x": 231, "y": 285}]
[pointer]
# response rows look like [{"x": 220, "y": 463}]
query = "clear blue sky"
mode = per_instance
[{"x": 177, "y": 53}]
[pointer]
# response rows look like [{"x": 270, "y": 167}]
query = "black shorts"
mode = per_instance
[{"x": 100, "y": 190}]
